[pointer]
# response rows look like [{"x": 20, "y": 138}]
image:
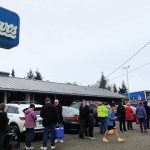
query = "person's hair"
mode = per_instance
[
  {"x": 2, "y": 106},
  {"x": 47, "y": 100},
  {"x": 120, "y": 103},
  {"x": 32, "y": 106}
]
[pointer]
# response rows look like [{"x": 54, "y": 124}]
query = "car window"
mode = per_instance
[{"x": 12, "y": 109}]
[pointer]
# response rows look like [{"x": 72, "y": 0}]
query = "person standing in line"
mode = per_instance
[
  {"x": 141, "y": 114},
  {"x": 60, "y": 116},
  {"x": 147, "y": 108},
  {"x": 3, "y": 125},
  {"x": 129, "y": 116},
  {"x": 50, "y": 118},
  {"x": 30, "y": 124},
  {"x": 82, "y": 120},
  {"x": 121, "y": 114},
  {"x": 111, "y": 125},
  {"x": 102, "y": 113},
  {"x": 86, "y": 117},
  {"x": 91, "y": 124}
]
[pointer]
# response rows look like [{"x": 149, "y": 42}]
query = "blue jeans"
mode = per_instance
[
  {"x": 103, "y": 124},
  {"x": 48, "y": 129}
]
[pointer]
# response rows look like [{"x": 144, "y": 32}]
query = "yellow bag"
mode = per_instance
[{"x": 111, "y": 132}]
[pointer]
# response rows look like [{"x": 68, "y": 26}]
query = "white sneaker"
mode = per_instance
[
  {"x": 29, "y": 147},
  {"x": 43, "y": 148},
  {"x": 53, "y": 147},
  {"x": 61, "y": 141},
  {"x": 92, "y": 138},
  {"x": 57, "y": 140}
]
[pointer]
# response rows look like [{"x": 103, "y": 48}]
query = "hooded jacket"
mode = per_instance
[
  {"x": 30, "y": 118},
  {"x": 141, "y": 112}
]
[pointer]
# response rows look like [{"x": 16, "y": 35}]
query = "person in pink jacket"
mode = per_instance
[
  {"x": 30, "y": 123},
  {"x": 129, "y": 116}
]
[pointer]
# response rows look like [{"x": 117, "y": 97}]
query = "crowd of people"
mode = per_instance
[
  {"x": 51, "y": 114},
  {"x": 107, "y": 119}
]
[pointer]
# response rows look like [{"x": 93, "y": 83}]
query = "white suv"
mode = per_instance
[{"x": 16, "y": 117}]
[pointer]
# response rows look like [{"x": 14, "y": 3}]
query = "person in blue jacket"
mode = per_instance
[
  {"x": 111, "y": 125},
  {"x": 142, "y": 117}
]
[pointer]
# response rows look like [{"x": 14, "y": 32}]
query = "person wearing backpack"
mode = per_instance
[{"x": 142, "y": 116}]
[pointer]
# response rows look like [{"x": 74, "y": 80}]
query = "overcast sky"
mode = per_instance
[{"x": 76, "y": 40}]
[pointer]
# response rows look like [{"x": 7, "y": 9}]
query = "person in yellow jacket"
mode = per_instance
[{"x": 102, "y": 113}]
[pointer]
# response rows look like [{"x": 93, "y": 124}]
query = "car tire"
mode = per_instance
[{"x": 15, "y": 129}]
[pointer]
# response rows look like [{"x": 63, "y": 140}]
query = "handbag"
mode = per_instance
[
  {"x": 59, "y": 131},
  {"x": 137, "y": 120}
]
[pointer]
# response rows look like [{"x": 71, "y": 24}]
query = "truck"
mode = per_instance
[{"x": 135, "y": 97}]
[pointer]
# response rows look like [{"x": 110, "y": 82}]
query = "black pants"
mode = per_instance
[
  {"x": 142, "y": 123},
  {"x": 29, "y": 136},
  {"x": 2, "y": 136},
  {"x": 129, "y": 124},
  {"x": 91, "y": 129},
  {"x": 147, "y": 122},
  {"x": 82, "y": 128},
  {"x": 122, "y": 124}
]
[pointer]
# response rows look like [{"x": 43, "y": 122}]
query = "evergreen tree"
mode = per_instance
[
  {"x": 38, "y": 75},
  {"x": 13, "y": 73},
  {"x": 30, "y": 74},
  {"x": 123, "y": 88},
  {"x": 109, "y": 88},
  {"x": 103, "y": 82},
  {"x": 115, "y": 88}
]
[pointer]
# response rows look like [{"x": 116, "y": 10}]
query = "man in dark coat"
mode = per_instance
[
  {"x": 82, "y": 120},
  {"x": 50, "y": 118},
  {"x": 3, "y": 124},
  {"x": 121, "y": 116}
]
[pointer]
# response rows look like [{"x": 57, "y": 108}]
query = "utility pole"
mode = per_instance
[{"x": 126, "y": 68}]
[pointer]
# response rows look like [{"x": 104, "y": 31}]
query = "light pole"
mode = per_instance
[{"x": 126, "y": 68}]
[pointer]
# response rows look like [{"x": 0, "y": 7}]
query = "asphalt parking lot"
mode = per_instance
[{"x": 135, "y": 140}]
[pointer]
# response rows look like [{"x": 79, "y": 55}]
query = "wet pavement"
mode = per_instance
[{"x": 134, "y": 140}]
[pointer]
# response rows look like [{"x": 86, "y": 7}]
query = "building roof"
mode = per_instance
[{"x": 38, "y": 86}]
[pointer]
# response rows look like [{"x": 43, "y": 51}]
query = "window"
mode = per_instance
[{"x": 11, "y": 109}]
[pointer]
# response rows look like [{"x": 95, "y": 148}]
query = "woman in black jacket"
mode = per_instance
[
  {"x": 121, "y": 116},
  {"x": 3, "y": 124}
]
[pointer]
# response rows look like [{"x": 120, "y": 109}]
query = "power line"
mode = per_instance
[
  {"x": 130, "y": 71},
  {"x": 128, "y": 59}
]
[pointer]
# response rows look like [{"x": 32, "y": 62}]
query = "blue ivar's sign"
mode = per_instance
[{"x": 9, "y": 28}]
